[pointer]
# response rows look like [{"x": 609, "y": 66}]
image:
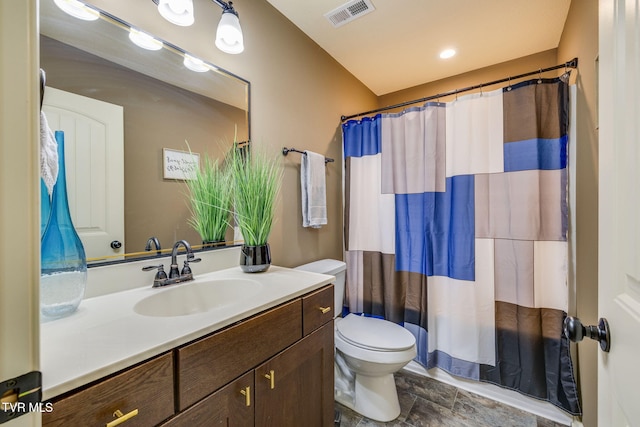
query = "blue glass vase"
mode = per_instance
[
  {"x": 63, "y": 261},
  {"x": 45, "y": 207}
]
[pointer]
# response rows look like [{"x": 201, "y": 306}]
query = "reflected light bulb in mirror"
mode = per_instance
[
  {"x": 195, "y": 64},
  {"x": 229, "y": 34},
  {"x": 179, "y": 12},
  {"x": 144, "y": 40},
  {"x": 78, "y": 9}
]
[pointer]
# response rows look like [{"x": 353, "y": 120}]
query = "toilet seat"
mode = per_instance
[{"x": 374, "y": 334}]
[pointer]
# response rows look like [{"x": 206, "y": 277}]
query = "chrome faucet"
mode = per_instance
[
  {"x": 175, "y": 275},
  {"x": 153, "y": 240}
]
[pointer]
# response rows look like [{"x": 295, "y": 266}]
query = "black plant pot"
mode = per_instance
[
  {"x": 255, "y": 259},
  {"x": 206, "y": 244}
]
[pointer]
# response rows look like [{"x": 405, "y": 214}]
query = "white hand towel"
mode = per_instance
[
  {"x": 314, "y": 190},
  {"x": 48, "y": 154}
]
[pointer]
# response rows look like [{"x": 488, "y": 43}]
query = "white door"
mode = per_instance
[
  {"x": 94, "y": 144},
  {"x": 19, "y": 208},
  {"x": 619, "y": 211}
]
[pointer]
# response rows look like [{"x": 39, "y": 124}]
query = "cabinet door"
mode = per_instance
[
  {"x": 295, "y": 387},
  {"x": 231, "y": 406}
]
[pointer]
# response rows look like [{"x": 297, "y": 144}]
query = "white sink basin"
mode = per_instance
[{"x": 197, "y": 297}]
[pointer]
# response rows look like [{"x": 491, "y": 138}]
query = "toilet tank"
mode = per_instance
[{"x": 332, "y": 267}]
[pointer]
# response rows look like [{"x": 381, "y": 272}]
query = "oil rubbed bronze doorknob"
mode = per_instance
[
  {"x": 115, "y": 244},
  {"x": 576, "y": 331}
]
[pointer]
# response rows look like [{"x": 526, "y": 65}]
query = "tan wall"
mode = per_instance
[
  {"x": 495, "y": 72},
  {"x": 580, "y": 38}
]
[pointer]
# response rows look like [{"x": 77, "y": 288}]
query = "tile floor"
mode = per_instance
[{"x": 425, "y": 402}]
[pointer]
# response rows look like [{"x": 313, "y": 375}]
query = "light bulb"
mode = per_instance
[
  {"x": 144, "y": 40},
  {"x": 195, "y": 64},
  {"x": 229, "y": 34},
  {"x": 179, "y": 12},
  {"x": 78, "y": 9}
]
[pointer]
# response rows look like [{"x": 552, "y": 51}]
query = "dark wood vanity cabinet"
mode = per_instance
[
  {"x": 288, "y": 353},
  {"x": 272, "y": 369}
]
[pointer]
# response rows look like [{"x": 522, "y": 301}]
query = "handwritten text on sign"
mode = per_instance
[{"x": 180, "y": 164}]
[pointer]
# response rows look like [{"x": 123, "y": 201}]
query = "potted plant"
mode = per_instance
[
  {"x": 256, "y": 182},
  {"x": 211, "y": 195}
]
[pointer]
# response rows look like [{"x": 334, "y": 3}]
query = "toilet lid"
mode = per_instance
[{"x": 374, "y": 334}]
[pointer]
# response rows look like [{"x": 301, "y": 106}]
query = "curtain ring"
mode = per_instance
[
  {"x": 540, "y": 76},
  {"x": 509, "y": 86},
  {"x": 481, "y": 94}
]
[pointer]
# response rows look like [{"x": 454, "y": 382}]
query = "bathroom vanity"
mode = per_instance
[{"x": 265, "y": 359}]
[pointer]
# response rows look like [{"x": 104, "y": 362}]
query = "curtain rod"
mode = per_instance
[{"x": 570, "y": 64}]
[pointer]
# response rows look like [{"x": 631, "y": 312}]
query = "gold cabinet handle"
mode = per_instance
[
  {"x": 120, "y": 417},
  {"x": 324, "y": 310},
  {"x": 271, "y": 376},
  {"x": 246, "y": 392}
]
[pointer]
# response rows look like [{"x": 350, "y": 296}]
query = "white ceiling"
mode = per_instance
[{"x": 397, "y": 45}]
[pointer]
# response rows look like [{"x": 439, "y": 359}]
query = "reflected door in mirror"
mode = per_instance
[{"x": 95, "y": 166}]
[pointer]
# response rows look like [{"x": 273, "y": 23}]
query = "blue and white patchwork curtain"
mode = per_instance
[{"x": 456, "y": 227}]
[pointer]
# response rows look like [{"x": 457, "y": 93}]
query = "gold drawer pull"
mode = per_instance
[
  {"x": 120, "y": 417},
  {"x": 271, "y": 376},
  {"x": 324, "y": 310},
  {"x": 247, "y": 395}
]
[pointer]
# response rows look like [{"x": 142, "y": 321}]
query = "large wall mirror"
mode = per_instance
[{"x": 167, "y": 112}]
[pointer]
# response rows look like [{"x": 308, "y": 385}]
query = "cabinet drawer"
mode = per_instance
[
  {"x": 147, "y": 388},
  {"x": 317, "y": 309},
  {"x": 232, "y": 405},
  {"x": 210, "y": 363}
]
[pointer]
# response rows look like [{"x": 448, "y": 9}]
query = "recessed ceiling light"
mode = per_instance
[{"x": 447, "y": 53}]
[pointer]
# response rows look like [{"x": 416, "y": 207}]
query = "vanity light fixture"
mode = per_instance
[
  {"x": 195, "y": 64},
  {"x": 144, "y": 40},
  {"x": 179, "y": 12},
  {"x": 77, "y": 9},
  {"x": 229, "y": 34},
  {"x": 229, "y": 37}
]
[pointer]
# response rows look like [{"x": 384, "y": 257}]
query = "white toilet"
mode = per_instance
[{"x": 368, "y": 352}]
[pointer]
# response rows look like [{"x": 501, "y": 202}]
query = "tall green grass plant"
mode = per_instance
[
  {"x": 257, "y": 177},
  {"x": 211, "y": 196}
]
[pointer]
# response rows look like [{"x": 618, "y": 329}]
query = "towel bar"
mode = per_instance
[{"x": 286, "y": 151}]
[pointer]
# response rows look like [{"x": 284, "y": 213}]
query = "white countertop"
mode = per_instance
[{"x": 106, "y": 335}]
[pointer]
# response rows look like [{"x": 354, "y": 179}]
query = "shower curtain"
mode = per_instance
[{"x": 456, "y": 228}]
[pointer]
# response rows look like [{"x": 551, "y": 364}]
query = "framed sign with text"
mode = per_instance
[{"x": 179, "y": 164}]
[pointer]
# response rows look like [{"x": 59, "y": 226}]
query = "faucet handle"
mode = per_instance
[
  {"x": 160, "y": 276},
  {"x": 186, "y": 269}
]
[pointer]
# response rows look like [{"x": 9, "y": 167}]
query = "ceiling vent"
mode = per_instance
[{"x": 349, "y": 11}]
